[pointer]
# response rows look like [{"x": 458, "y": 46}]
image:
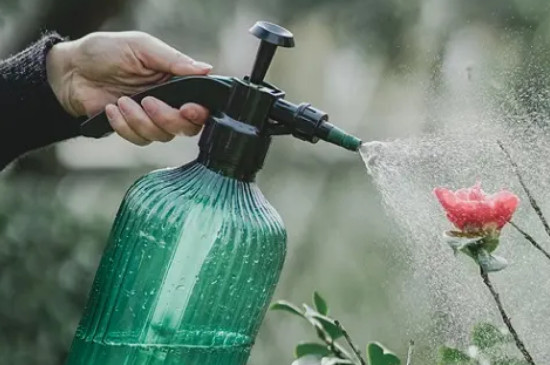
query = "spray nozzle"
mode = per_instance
[
  {"x": 303, "y": 121},
  {"x": 249, "y": 102}
]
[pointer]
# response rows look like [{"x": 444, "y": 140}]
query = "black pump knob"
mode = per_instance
[{"x": 272, "y": 36}]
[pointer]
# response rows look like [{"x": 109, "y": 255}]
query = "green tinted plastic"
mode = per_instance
[
  {"x": 343, "y": 139},
  {"x": 187, "y": 275}
]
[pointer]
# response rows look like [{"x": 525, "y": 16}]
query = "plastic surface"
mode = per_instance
[
  {"x": 209, "y": 91},
  {"x": 271, "y": 36},
  {"x": 273, "y": 33},
  {"x": 189, "y": 270},
  {"x": 340, "y": 138}
]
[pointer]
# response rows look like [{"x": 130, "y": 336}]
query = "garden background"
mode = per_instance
[{"x": 376, "y": 66}]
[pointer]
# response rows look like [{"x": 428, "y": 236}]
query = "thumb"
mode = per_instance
[{"x": 159, "y": 56}]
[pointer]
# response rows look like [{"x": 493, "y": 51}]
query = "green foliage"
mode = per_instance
[
  {"x": 308, "y": 360},
  {"x": 320, "y": 303},
  {"x": 379, "y": 355},
  {"x": 326, "y": 323},
  {"x": 283, "y": 305},
  {"x": 486, "y": 335},
  {"x": 48, "y": 257},
  {"x": 329, "y": 331},
  {"x": 10, "y": 5},
  {"x": 488, "y": 339},
  {"x": 317, "y": 360},
  {"x": 304, "y": 349},
  {"x": 451, "y": 356}
]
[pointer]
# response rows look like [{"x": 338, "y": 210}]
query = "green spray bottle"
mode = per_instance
[{"x": 195, "y": 252}]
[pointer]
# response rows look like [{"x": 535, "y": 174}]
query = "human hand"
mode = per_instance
[{"x": 95, "y": 72}]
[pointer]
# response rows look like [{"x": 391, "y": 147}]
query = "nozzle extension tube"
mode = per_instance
[
  {"x": 331, "y": 133},
  {"x": 310, "y": 124}
]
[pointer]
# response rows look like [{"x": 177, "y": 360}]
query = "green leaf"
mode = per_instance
[
  {"x": 283, "y": 305},
  {"x": 308, "y": 360},
  {"x": 379, "y": 355},
  {"x": 489, "y": 262},
  {"x": 304, "y": 349},
  {"x": 328, "y": 324},
  {"x": 320, "y": 303},
  {"x": 335, "y": 361},
  {"x": 451, "y": 356},
  {"x": 486, "y": 335}
]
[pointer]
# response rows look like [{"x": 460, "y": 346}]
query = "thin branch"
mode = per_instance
[
  {"x": 410, "y": 352},
  {"x": 333, "y": 346},
  {"x": 531, "y": 240},
  {"x": 350, "y": 343},
  {"x": 519, "y": 343},
  {"x": 532, "y": 200}
]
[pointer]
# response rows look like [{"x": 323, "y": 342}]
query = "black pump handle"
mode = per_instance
[
  {"x": 271, "y": 36},
  {"x": 211, "y": 92}
]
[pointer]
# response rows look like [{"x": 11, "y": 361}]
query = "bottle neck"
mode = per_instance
[{"x": 232, "y": 148}]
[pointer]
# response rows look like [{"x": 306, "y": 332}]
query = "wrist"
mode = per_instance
[{"x": 59, "y": 70}]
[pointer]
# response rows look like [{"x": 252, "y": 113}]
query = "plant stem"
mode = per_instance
[
  {"x": 350, "y": 343},
  {"x": 532, "y": 200},
  {"x": 519, "y": 343},
  {"x": 410, "y": 352},
  {"x": 337, "y": 350},
  {"x": 531, "y": 240}
]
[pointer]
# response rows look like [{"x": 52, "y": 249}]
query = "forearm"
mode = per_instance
[{"x": 30, "y": 114}]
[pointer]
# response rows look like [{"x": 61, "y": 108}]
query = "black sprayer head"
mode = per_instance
[
  {"x": 245, "y": 112},
  {"x": 302, "y": 121}
]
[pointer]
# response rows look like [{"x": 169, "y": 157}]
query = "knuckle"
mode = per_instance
[
  {"x": 118, "y": 123},
  {"x": 168, "y": 121}
]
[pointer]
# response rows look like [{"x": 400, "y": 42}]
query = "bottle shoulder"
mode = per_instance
[{"x": 194, "y": 189}]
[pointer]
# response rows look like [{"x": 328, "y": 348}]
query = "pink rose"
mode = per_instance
[{"x": 473, "y": 211}]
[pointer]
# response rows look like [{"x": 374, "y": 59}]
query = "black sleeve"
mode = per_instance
[{"x": 30, "y": 115}]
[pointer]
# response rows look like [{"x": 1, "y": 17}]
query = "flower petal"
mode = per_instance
[{"x": 472, "y": 211}]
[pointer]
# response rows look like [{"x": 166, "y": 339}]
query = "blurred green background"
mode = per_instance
[{"x": 378, "y": 67}]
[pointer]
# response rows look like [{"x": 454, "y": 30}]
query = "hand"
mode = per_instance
[{"x": 96, "y": 71}]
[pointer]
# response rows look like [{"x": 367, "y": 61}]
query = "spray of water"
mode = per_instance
[{"x": 443, "y": 293}]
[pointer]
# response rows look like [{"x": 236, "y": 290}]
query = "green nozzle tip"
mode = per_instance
[{"x": 343, "y": 139}]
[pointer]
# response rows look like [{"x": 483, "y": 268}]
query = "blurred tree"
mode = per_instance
[
  {"x": 46, "y": 268},
  {"x": 71, "y": 18}
]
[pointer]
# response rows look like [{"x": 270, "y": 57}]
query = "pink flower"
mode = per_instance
[{"x": 473, "y": 211}]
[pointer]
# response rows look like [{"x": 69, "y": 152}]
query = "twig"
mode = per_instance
[
  {"x": 530, "y": 238},
  {"x": 336, "y": 349},
  {"x": 532, "y": 200},
  {"x": 519, "y": 344},
  {"x": 350, "y": 343},
  {"x": 410, "y": 352}
]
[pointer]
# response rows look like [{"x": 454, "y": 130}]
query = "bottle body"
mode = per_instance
[{"x": 187, "y": 275}]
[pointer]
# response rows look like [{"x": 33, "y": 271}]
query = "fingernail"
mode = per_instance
[
  {"x": 122, "y": 103},
  {"x": 109, "y": 111},
  {"x": 149, "y": 105},
  {"x": 202, "y": 65}
]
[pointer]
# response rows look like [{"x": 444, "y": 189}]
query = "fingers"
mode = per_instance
[
  {"x": 121, "y": 127},
  {"x": 159, "y": 56},
  {"x": 194, "y": 113},
  {"x": 154, "y": 120},
  {"x": 188, "y": 120}
]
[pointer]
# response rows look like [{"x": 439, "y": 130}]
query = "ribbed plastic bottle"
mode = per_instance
[
  {"x": 190, "y": 267},
  {"x": 195, "y": 252}
]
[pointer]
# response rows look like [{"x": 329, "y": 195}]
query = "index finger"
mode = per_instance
[{"x": 159, "y": 56}]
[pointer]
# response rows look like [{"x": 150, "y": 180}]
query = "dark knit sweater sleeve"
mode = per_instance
[{"x": 30, "y": 115}]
